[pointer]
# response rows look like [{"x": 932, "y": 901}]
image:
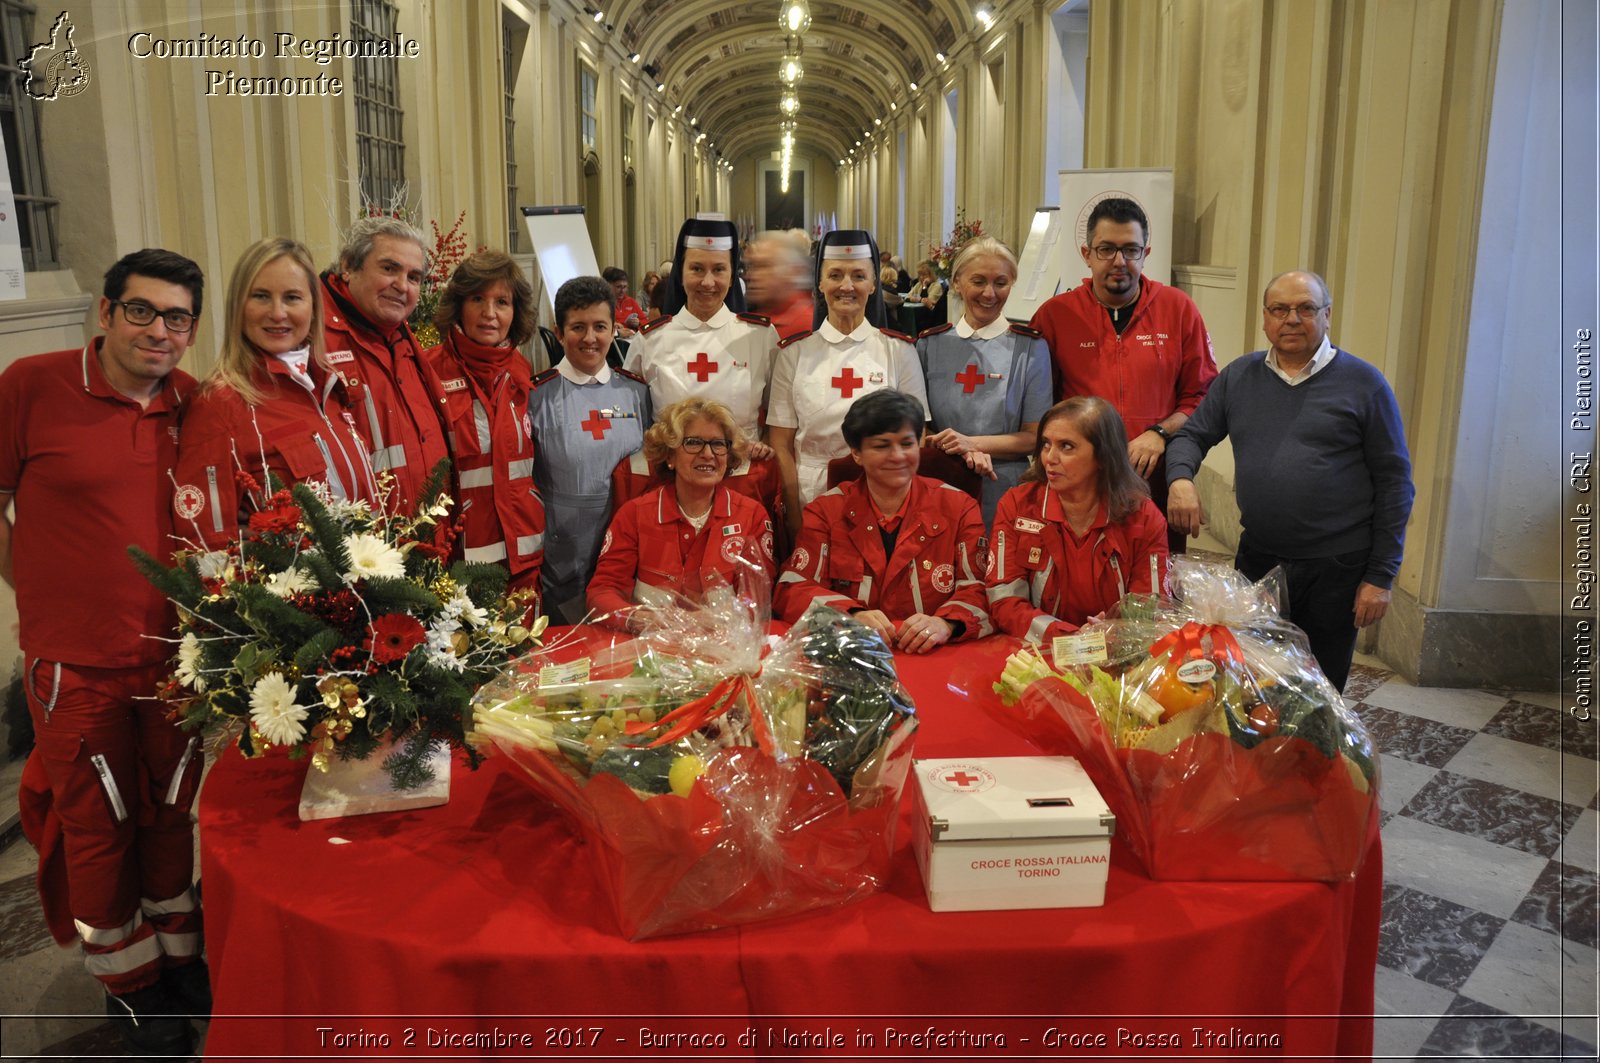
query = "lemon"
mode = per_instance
[{"x": 684, "y": 771}]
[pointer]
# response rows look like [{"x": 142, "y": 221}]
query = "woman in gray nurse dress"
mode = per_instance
[{"x": 988, "y": 380}]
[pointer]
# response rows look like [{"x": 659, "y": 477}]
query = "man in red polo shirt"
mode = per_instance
[
  {"x": 1135, "y": 342},
  {"x": 370, "y": 296},
  {"x": 90, "y": 438}
]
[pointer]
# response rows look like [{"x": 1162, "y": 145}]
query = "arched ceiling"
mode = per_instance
[{"x": 720, "y": 59}]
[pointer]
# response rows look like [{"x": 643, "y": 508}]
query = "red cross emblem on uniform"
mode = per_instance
[
  {"x": 969, "y": 379},
  {"x": 847, "y": 382},
  {"x": 962, "y": 779},
  {"x": 596, "y": 425},
  {"x": 702, "y": 367}
]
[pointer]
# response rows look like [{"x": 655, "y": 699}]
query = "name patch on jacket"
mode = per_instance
[
  {"x": 458, "y": 384},
  {"x": 1031, "y": 526},
  {"x": 340, "y": 357}
]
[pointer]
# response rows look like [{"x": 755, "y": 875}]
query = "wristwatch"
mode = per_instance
[{"x": 1166, "y": 436}]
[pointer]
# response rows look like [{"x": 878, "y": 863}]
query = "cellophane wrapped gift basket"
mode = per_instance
[
  {"x": 720, "y": 777},
  {"x": 1222, "y": 749}
]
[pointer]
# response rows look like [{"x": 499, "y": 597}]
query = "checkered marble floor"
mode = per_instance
[{"x": 1490, "y": 923}]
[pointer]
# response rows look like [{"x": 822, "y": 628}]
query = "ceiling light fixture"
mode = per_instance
[
  {"x": 633, "y": 57},
  {"x": 795, "y": 17},
  {"x": 985, "y": 15},
  {"x": 938, "y": 57}
]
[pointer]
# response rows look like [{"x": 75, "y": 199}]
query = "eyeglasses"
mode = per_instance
[
  {"x": 694, "y": 445},
  {"x": 141, "y": 313},
  {"x": 1129, "y": 252},
  {"x": 1279, "y": 312}
]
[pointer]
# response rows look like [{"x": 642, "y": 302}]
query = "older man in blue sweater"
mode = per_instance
[{"x": 1322, "y": 475}]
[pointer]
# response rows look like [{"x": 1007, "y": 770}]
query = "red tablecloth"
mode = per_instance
[{"x": 444, "y": 925}]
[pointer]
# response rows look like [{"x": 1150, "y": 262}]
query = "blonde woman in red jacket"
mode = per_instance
[
  {"x": 1078, "y": 532},
  {"x": 900, "y": 552},
  {"x": 679, "y": 538},
  {"x": 272, "y": 408}
]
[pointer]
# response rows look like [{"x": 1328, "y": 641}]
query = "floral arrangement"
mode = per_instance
[
  {"x": 330, "y": 625},
  {"x": 964, "y": 232},
  {"x": 448, "y": 251}
]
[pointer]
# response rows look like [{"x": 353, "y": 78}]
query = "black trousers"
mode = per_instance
[{"x": 1322, "y": 601}]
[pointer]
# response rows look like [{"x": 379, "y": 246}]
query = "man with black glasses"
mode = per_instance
[
  {"x": 90, "y": 438},
  {"x": 1135, "y": 342},
  {"x": 1321, "y": 470}
]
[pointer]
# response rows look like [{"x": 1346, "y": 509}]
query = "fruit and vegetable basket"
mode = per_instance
[
  {"x": 1210, "y": 730},
  {"x": 719, "y": 775}
]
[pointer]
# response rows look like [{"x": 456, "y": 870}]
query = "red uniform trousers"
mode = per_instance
[
  {"x": 936, "y": 569},
  {"x": 1040, "y": 588},
  {"x": 650, "y": 544},
  {"x": 120, "y": 776}
]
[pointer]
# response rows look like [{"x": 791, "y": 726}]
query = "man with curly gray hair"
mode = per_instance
[{"x": 370, "y": 296}]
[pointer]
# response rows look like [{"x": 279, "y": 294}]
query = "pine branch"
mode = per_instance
[
  {"x": 267, "y": 612},
  {"x": 309, "y": 657},
  {"x": 177, "y": 582},
  {"x": 327, "y": 533},
  {"x": 408, "y": 766},
  {"x": 385, "y": 594}
]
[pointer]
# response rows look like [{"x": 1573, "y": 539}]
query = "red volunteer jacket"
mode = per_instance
[
  {"x": 402, "y": 404},
  {"x": 296, "y": 436},
  {"x": 1039, "y": 583},
  {"x": 1161, "y": 363},
  {"x": 936, "y": 567},
  {"x": 651, "y": 545},
  {"x": 486, "y": 421}
]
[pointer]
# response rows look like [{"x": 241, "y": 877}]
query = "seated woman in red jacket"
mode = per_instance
[
  {"x": 671, "y": 540},
  {"x": 273, "y": 408},
  {"x": 900, "y": 552},
  {"x": 1078, "y": 532}
]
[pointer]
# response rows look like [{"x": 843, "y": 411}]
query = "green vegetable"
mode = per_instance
[{"x": 636, "y": 764}]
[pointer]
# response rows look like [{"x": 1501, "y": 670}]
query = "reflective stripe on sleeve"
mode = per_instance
[
  {"x": 483, "y": 555},
  {"x": 1040, "y": 624},
  {"x": 520, "y": 469},
  {"x": 1016, "y": 588},
  {"x": 389, "y": 458},
  {"x": 471, "y": 478},
  {"x": 529, "y": 544}
]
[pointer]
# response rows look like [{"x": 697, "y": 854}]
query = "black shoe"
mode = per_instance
[
  {"x": 144, "y": 1019},
  {"x": 189, "y": 988}
]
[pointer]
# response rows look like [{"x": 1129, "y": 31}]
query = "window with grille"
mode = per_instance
[
  {"x": 627, "y": 135},
  {"x": 513, "y": 34},
  {"x": 19, "y": 123},
  {"x": 380, "y": 122},
  {"x": 587, "y": 90}
]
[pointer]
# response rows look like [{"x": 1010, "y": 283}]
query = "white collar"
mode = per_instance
[
  {"x": 577, "y": 376},
  {"x": 297, "y": 362},
  {"x": 998, "y": 327},
  {"x": 828, "y": 331},
  {"x": 1318, "y": 363},
  {"x": 694, "y": 324}
]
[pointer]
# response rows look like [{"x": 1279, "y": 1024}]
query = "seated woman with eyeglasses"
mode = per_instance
[
  {"x": 673, "y": 540},
  {"x": 901, "y": 553}
]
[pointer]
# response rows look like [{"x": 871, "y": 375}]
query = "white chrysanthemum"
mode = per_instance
[
  {"x": 273, "y": 711},
  {"x": 370, "y": 556},
  {"x": 214, "y": 564},
  {"x": 440, "y": 649},
  {"x": 188, "y": 670},
  {"x": 290, "y": 581},
  {"x": 460, "y": 607}
]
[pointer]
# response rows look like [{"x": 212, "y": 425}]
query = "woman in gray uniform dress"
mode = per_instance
[
  {"x": 584, "y": 417},
  {"x": 988, "y": 380}
]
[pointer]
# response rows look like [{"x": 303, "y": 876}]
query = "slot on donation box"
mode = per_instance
[{"x": 1010, "y": 832}]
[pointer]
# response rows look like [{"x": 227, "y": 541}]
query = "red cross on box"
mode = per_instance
[
  {"x": 702, "y": 367},
  {"x": 847, "y": 382},
  {"x": 970, "y": 379},
  {"x": 596, "y": 425},
  {"x": 961, "y": 778}
]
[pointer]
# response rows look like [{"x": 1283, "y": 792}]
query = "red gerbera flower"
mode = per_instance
[
  {"x": 280, "y": 519},
  {"x": 394, "y": 635}
]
